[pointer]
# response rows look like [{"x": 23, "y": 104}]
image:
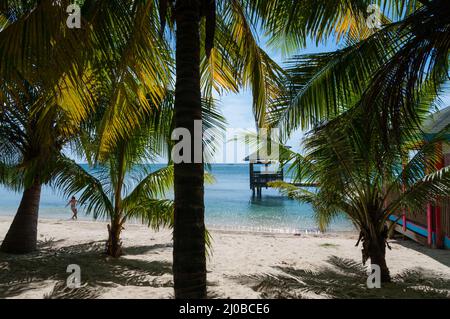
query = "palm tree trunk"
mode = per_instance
[
  {"x": 22, "y": 235},
  {"x": 377, "y": 254},
  {"x": 189, "y": 260},
  {"x": 379, "y": 258},
  {"x": 114, "y": 244}
]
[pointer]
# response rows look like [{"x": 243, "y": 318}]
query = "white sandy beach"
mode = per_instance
[{"x": 242, "y": 265}]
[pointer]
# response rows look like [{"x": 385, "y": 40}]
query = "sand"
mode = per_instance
[{"x": 240, "y": 265}]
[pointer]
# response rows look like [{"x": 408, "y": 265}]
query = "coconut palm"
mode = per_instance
[
  {"x": 355, "y": 159},
  {"x": 366, "y": 181},
  {"x": 381, "y": 73},
  {"x": 45, "y": 100},
  {"x": 31, "y": 143},
  {"x": 214, "y": 32},
  {"x": 121, "y": 188},
  {"x": 229, "y": 43}
]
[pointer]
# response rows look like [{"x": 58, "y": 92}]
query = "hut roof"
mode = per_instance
[{"x": 257, "y": 159}]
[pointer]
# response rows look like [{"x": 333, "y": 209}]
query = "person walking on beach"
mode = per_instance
[{"x": 73, "y": 207}]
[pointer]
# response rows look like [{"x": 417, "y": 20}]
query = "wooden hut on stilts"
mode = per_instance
[{"x": 261, "y": 172}]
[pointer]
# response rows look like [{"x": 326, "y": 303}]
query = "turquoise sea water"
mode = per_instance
[{"x": 228, "y": 202}]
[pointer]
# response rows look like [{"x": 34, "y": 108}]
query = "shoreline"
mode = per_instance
[{"x": 218, "y": 229}]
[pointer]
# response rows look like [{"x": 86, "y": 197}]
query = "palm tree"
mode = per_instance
[
  {"x": 243, "y": 62},
  {"x": 227, "y": 57},
  {"x": 366, "y": 181},
  {"x": 31, "y": 144},
  {"x": 31, "y": 137},
  {"x": 382, "y": 74},
  {"x": 121, "y": 188},
  {"x": 45, "y": 100}
]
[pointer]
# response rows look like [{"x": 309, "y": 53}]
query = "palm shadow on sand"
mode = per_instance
[
  {"x": 345, "y": 278},
  {"x": 22, "y": 273}
]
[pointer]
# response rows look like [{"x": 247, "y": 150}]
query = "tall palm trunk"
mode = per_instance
[
  {"x": 114, "y": 244},
  {"x": 22, "y": 235},
  {"x": 377, "y": 255},
  {"x": 374, "y": 248},
  {"x": 189, "y": 260}
]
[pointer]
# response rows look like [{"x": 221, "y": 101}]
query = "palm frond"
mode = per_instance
[
  {"x": 154, "y": 213},
  {"x": 71, "y": 179},
  {"x": 153, "y": 185}
]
